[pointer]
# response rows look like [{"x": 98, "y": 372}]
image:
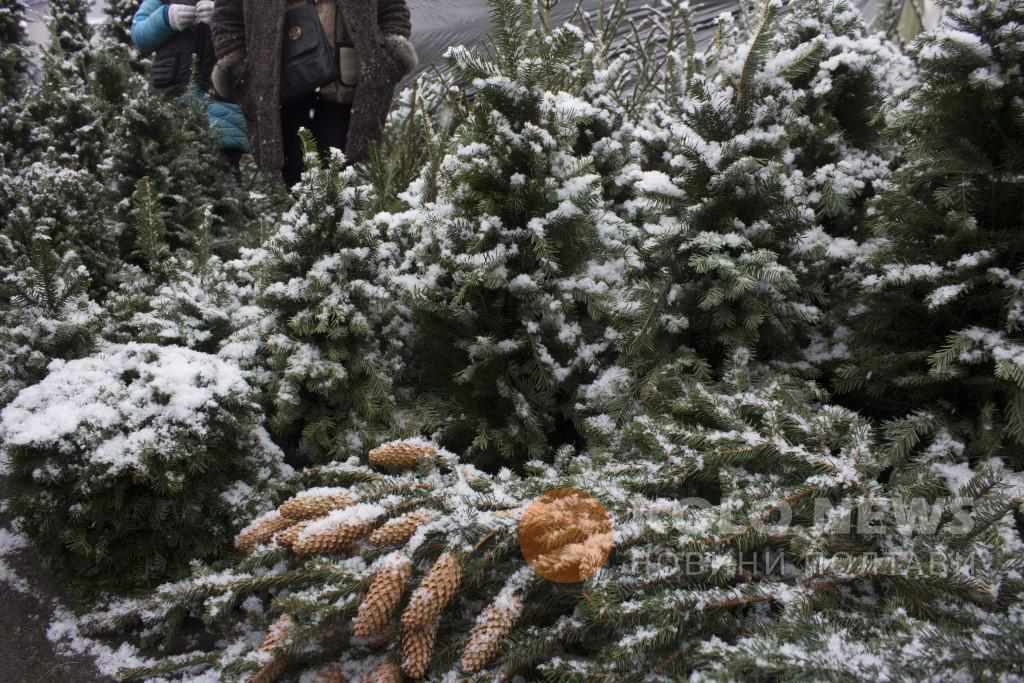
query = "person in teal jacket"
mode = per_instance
[{"x": 175, "y": 33}]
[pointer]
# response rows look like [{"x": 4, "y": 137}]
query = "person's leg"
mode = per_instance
[
  {"x": 330, "y": 125},
  {"x": 234, "y": 159},
  {"x": 294, "y": 115}
]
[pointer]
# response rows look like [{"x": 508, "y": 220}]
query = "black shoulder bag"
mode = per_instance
[{"x": 308, "y": 61}]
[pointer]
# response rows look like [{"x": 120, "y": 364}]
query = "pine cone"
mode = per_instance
[
  {"x": 289, "y": 536},
  {"x": 261, "y": 530},
  {"x": 335, "y": 540},
  {"x": 417, "y": 649},
  {"x": 385, "y": 673},
  {"x": 491, "y": 628},
  {"x": 400, "y": 529},
  {"x": 332, "y": 674},
  {"x": 400, "y": 455},
  {"x": 434, "y": 593},
  {"x": 313, "y": 503},
  {"x": 276, "y": 634},
  {"x": 382, "y": 598}
]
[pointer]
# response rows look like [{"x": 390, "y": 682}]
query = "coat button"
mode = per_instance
[{"x": 294, "y": 33}]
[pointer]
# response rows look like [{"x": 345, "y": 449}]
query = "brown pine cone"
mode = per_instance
[
  {"x": 491, "y": 628},
  {"x": 400, "y": 455},
  {"x": 334, "y": 540},
  {"x": 260, "y": 530},
  {"x": 417, "y": 649},
  {"x": 434, "y": 593},
  {"x": 289, "y": 536},
  {"x": 315, "y": 503},
  {"x": 400, "y": 529},
  {"x": 382, "y": 598},
  {"x": 386, "y": 672},
  {"x": 276, "y": 634}
]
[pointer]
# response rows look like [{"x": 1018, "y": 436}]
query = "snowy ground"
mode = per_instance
[{"x": 28, "y": 613}]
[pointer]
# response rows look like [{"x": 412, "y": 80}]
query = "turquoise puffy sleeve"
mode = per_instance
[
  {"x": 151, "y": 25},
  {"x": 228, "y": 121}
]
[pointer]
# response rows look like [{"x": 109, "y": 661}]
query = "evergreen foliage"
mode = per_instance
[
  {"x": 63, "y": 207},
  {"x": 75, "y": 148},
  {"x": 130, "y": 462},
  {"x": 509, "y": 265},
  {"x": 939, "y": 311},
  {"x": 13, "y": 53},
  {"x": 332, "y": 343},
  {"x": 413, "y": 144},
  {"x": 186, "y": 304},
  {"x": 60, "y": 118},
  {"x": 796, "y": 542},
  {"x": 755, "y": 181},
  {"x": 118, "y": 24},
  {"x": 46, "y": 312},
  {"x": 70, "y": 32},
  {"x": 82, "y": 142},
  {"x": 271, "y": 578},
  {"x": 842, "y": 535},
  {"x": 169, "y": 143}
]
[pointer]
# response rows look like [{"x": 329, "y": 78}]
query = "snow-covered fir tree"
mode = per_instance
[
  {"x": 129, "y": 462},
  {"x": 70, "y": 31},
  {"x": 767, "y": 154},
  {"x": 50, "y": 187},
  {"x": 194, "y": 301},
  {"x": 333, "y": 341},
  {"x": 119, "y": 14},
  {"x": 510, "y": 264},
  {"x": 169, "y": 142},
  {"x": 64, "y": 206},
  {"x": 940, "y": 311},
  {"x": 46, "y": 311},
  {"x": 14, "y": 53}
]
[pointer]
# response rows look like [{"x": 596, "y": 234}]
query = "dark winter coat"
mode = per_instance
[
  {"x": 379, "y": 30},
  {"x": 171, "y": 72},
  {"x": 172, "y": 50}
]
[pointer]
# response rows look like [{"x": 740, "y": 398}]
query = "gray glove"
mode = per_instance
[
  {"x": 204, "y": 11},
  {"x": 181, "y": 16}
]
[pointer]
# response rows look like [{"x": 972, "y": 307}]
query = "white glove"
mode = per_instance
[
  {"x": 204, "y": 11},
  {"x": 181, "y": 16}
]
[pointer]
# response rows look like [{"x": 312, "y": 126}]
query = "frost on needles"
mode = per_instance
[{"x": 128, "y": 464}]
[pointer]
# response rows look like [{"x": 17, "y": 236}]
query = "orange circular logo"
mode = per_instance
[{"x": 565, "y": 535}]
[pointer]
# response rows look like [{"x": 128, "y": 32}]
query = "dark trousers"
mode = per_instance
[
  {"x": 233, "y": 157},
  {"x": 327, "y": 121}
]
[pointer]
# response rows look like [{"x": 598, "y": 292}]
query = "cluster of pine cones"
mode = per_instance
[{"x": 287, "y": 526}]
